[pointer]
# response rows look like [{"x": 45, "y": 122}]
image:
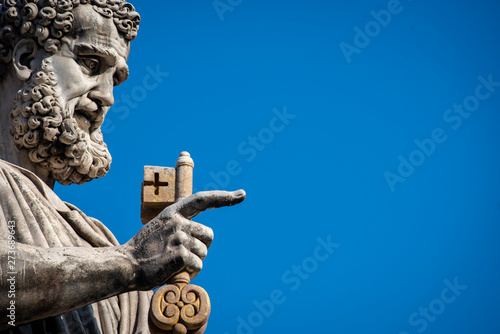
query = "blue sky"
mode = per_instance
[{"x": 366, "y": 136}]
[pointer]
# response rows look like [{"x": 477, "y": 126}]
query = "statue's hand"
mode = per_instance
[{"x": 171, "y": 242}]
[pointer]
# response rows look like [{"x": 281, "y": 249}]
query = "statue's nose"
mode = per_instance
[{"x": 103, "y": 94}]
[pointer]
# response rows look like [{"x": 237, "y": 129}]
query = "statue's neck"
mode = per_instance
[{"x": 9, "y": 87}]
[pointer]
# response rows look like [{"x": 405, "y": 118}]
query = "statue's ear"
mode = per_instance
[{"x": 24, "y": 52}]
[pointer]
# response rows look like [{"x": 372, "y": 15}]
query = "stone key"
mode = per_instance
[{"x": 179, "y": 307}]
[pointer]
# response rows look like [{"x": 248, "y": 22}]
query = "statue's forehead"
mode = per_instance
[{"x": 92, "y": 28}]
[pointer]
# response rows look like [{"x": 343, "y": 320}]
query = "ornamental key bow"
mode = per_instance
[{"x": 181, "y": 307}]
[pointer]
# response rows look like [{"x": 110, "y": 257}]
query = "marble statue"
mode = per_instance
[{"x": 59, "y": 62}]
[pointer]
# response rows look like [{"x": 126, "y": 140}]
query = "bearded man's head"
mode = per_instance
[{"x": 70, "y": 54}]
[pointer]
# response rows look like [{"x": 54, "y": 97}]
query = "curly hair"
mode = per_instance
[{"x": 47, "y": 21}]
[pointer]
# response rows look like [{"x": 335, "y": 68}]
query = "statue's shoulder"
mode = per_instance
[
  {"x": 10, "y": 170},
  {"x": 5, "y": 165},
  {"x": 12, "y": 175}
]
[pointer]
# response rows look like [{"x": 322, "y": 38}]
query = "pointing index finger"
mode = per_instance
[{"x": 193, "y": 205}]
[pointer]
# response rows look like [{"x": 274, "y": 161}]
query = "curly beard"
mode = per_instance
[{"x": 51, "y": 134}]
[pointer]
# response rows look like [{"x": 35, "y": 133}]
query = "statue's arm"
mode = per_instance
[{"x": 53, "y": 281}]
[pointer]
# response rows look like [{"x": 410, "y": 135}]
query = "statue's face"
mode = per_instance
[
  {"x": 91, "y": 62},
  {"x": 57, "y": 116}
]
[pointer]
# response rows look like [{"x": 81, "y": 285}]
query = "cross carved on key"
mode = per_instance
[
  {"x": 156, "y": 183},
  {"x": 158, "y": 191}
]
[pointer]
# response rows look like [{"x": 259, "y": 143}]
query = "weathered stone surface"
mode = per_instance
[
  {"x": 158, "y": 187},
  {"x": 59, "y": 62},
  {"x": 158, "y": 191}
]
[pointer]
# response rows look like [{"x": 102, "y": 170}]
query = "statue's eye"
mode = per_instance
[{"x": 92, "y": 64}]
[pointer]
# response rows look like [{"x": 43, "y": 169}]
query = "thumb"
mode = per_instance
[{"x": 193, "y": 205}]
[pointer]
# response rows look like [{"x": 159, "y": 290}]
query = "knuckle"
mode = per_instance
[
  {"x": 203, "y": 252},
  {"x": 182, "y": 223},
  {"x": 196, "y": 264},
  {"x": 182, "y": 256},
  {"x": 178, "y": 238},
  {"x": 209, "y": 233},
  {"x": 203, "y": 231},
  {"x": 190, "y": 262}
]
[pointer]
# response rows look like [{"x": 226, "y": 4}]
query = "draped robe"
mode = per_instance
[{"x": 44, "y": 220}]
